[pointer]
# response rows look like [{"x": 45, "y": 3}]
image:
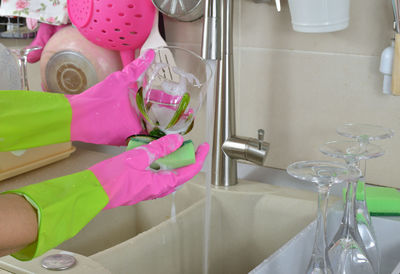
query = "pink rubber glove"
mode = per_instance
[
  {"x": 43, "y": 35},
  {"x": 31, "y": 23},
  {"x": 103, "y": 114},
  {"x": 127, "y": 178}
]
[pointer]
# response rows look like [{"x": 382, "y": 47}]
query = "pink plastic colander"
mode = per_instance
[{"x": 122, "y": 25}]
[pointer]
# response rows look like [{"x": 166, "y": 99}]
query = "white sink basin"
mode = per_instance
[{"x": 248, "y": 223}]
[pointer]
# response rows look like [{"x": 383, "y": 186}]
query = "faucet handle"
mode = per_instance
[{"x": 261, "y": 134}]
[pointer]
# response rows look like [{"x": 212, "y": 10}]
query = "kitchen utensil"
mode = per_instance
[
  {"x": 9, "y": 76},
  {"x": 71, "y": 64},
  {"x": 122, "y": 25},
  {"x": 396, "y": 60},
  {"x": 155, "y": 41},
  {"x": 183, "y": 10},
  {"x": 395, "y": 16}
]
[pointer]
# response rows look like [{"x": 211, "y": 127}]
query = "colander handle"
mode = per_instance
[{"x": 127, "y": 56}]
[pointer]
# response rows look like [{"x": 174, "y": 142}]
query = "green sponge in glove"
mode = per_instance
[
  {"x": 380, "y": 200},
  {"x": 184, "y": 156}
]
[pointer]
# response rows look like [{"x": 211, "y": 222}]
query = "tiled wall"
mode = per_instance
[{"x": 299, "y": 87}]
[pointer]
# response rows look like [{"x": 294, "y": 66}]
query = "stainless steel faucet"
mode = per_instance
[{"x": 227, "y": 147}]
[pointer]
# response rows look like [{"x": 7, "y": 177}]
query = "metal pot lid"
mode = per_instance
[
  {"x": 10, "y": 78},
  {"x": 70, "y": 72},
  {"x": 184, "y": 10}
]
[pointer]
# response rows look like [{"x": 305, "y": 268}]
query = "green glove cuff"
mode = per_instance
[
  {"x": 65, "y": 205},
  {"x": 32, "y": 119}
]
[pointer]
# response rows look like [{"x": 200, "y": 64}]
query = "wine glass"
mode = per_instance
[
  {"x": 324, "y": 174},
  {"x": 364, "y": 134},
  {"x": 172, "y": 91},
  {"x": 21, "y": 54},
  {"x": 9, "y": 76},
  {"x": 353, "y": 248}
]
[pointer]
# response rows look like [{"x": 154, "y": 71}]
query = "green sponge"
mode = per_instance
[
  {"x": 383, "y": 200},
  {"x": 380, "y": 200},
  {"x": 183, "y": 156}
]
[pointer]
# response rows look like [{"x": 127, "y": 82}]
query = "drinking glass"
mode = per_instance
[
  {"x": 364, "y": 134},
  {"x": 353, "y": 248},
  {"x": 324, "y": 174},
  {"x": 21, "y": 54},
  {"x": 9, "y": 76},
  {"x": 172, "y": 91}
]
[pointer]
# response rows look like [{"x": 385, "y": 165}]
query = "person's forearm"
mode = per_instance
[
  {"x": 18, "y": 223},
  {"x": 64, "y": 205}
]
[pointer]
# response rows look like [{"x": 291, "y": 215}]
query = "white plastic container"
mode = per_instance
[{"x": 315, "y": 16}]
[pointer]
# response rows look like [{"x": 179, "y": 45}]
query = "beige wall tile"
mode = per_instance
[
  {"x": 34, "y": 77},
  {"x": 300, "y": 87},
  {"x": 183, "y": 32},
  {"x": 369, "y": 32},
  {"x": 300, "y": 98}
]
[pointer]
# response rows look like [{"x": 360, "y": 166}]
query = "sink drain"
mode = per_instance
[{"x": 58, "y": 262}]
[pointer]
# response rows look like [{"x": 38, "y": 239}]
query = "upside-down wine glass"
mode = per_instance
[
  {"x": 324, "y": 174},
  {"x": 364, "y": 134},
  {"x": 348, "y": 251}
]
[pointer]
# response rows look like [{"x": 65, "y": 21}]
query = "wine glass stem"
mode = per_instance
[
  {"x": 365, "y": 169},
  {"x": 363, "y": 144},
  {"x": 319, "y": 255},
  {"x": 22, "y": 62},
  {"x": 349, "y": 211}
]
